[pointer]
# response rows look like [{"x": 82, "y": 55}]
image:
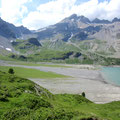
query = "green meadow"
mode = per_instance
[
  {"x": 32, "y": 73},
  {"x": 21, "y": 99}
]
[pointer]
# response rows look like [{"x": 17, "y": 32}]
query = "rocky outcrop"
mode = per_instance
[{"x": 8, "y": 30}]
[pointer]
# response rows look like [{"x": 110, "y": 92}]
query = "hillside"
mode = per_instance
[
  {"x": 97, "y": 36},
  {"x": 23, "y": 99},
  {"x": 88, "y": 41},
  {"x": 10, "y": 31},
  {"x": 26, "y": 46}
]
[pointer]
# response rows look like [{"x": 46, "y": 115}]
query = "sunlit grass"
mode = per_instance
[{"x": 31, "y": 73}]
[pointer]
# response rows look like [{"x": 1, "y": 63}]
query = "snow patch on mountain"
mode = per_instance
[{"x": 8, "y": 49}]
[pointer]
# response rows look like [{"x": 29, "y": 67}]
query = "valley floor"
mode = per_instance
[{"x": 82, "y": 78}]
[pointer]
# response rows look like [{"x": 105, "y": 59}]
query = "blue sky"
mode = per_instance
[{"x": 36, "y": 14}]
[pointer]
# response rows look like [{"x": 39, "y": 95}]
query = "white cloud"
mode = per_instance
[
  {"x": 56, "y": 10},
  {"x": 49, "y": 13},
  {"x": 13, "y": 10},
  {"x": 104, "y": 10}
]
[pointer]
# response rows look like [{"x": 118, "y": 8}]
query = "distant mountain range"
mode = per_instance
[
  {"x": 100, "y": 36},
  {"x": 8, "y": 30},
  {"x": 97, "y": 36},
  {"x": 77, "y": 25}
]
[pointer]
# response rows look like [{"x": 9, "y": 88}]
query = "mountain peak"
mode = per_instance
[
  {"x": 83, "y": 19},
  {"x": 73, "y": 16},
  {"x": 116, "y": 20},
  {"x": 79, "y": 18},
  {"x": 96, "y": 20}
]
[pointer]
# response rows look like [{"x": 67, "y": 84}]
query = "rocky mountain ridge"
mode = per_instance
[
  {"x": 99, "y": 36},
  {"x": 85, "y": 33},
  {"x": 8, "y": 30},
  {"x": 8, "y": 33}
]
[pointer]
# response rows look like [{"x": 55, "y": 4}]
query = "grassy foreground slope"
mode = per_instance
[
  {"x": 32, "y": 73},
  {"x": 21, "y": 99}
]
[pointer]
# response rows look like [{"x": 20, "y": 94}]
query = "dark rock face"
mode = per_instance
[
  {"x": 24, "y": 30},
  {"x": 45, "y": 34},
  {"x": 77, "y": 55},
  {"x": 14, "y": 43},
  {"x": 13, "y": 56},
  {"x": 74, "y": 16},
  {"x": 34, "y": 41},
  {"x": 5, "y": 30},
  {"x": 98, "y": 21},
  {"x": 66, "y": 56},
  {"x": 61, "y": 28},
  {"x": 92, "y": 29},
  {"x": 84, "y": 19},
  {"x": 115, "y": 20},
  {"x": 80, "y": 36},
  {"x": 22, "y": 57},
  {"x": 8, "y": 30}
]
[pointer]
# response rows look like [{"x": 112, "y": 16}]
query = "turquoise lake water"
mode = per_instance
[{"x": 111, "y": 74}]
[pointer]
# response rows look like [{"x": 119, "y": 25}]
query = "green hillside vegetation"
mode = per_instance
[
  {"x": 59, "y": 51},
  {"x": 58, "y": 45},
  {"x": 72, "y": 57},
  {"x": 4, "y": 54},
  {"x": 7, "y": 57},
  {"x": 43, "y": 55},
  {"x": 49, "y": 55},
  {"x": 21, "y": 99},
  {"x": 96, "y": 46},
  {"x": 26, "y": 46},
  {"x": 69, "y": 57},
  {"x": 32, "y": 73}
]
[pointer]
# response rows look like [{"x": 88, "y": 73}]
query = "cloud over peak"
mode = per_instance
[{"x": 56, "y": 10}]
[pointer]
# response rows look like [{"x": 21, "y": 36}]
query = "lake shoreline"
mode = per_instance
[
  {"x": 82, "y": 78},
  {"x": 107, "y": 81},
  {"x": 106, "y": 75},
  {"x": 91, "y": 82}
]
